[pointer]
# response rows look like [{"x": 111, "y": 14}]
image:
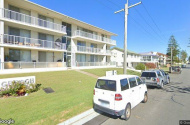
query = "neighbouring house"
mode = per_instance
[
  {"x": 33, "y": 36},
  {"x": 162, "y": 58},
  {"x": 149, "y": 57},
  {"x": 132, "y": 58}
]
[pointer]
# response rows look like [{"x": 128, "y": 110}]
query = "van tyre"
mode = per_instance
[
  {"x": 127, "y": 113},
  {"x": 145, "y": 98}
]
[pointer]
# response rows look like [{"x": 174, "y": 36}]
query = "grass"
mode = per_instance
[
  {"x": 71, "y": 97},
  {"x": 166, "y": 69},
  {"x": 102, "y": 71}
]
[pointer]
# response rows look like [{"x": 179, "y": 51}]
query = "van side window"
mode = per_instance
[
  {"x": 139, "y": 81},
  {"x": 124, "y": 84},
  {"x": 132, "y": 82}
]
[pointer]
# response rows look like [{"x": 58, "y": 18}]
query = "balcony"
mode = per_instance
[
  {"x": 18, "y": 41},
  {"x": 82, "y": 64},
  {"x": 27, "y": 65},
  {"x": 30, "y": 20},
  {"x": 93, "y": 37},
  {"x": 90, "y": 50}
]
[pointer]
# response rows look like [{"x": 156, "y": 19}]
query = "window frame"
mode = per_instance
[{"x": 127, "y": 84}]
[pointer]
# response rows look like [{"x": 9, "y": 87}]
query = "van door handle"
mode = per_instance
[
  {"x": 133, "y": 90},
  {"x": 140, "y": 87}
]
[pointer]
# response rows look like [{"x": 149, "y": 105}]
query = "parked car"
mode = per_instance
[
  {"x": 166, "y": 76},
  {"x": 154, "y": 78},
  {"x": 183, "y": 66},
  {"x": 118, "y": 94}
]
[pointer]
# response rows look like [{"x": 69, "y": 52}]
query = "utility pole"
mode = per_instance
[
  {"x": 125, "y": 34},
  {"x": 171, "y": 56}
]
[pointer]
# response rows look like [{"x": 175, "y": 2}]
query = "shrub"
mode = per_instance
[
  {"x": 18, "y": 89},
  {"x": 140, "y": 66},
  {"x": 150, "y": 65}
]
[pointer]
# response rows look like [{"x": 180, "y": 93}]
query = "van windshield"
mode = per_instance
[
  {"x": 148, "y": 74},
  {"x": 106, "y": 84}
]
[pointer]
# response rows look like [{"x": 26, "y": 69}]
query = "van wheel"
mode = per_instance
[
  {"x": 145, "y": 98},
  {"x": 127, "y": 112}
]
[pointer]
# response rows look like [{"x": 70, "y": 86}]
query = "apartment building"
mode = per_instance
[
  {"x": 32, "y": 36},
  {"x": 132, "y": 58}
]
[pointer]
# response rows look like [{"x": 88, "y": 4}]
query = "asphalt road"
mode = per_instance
[{"x": 164, "y": 107}]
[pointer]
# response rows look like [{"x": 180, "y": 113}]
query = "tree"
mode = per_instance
[
  {"x": 172, "y": 44},
  {"x": 183, "y": 55}
]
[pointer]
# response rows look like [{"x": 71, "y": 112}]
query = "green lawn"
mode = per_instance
[
  {"x": 102, "y": 71},
  {"x": 166, "y": 69},
  {"x": 73, "y": 95}
]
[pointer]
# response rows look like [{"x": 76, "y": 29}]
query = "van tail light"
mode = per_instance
[
  {"x": 118, "y": 97},
  {"x": 158, "y": 80},
  {"x": 94, "y": 91}
]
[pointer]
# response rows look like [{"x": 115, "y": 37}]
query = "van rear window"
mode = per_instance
[
  {"x": 106, "y": 84},
  {"x": 148, "y": 74}
]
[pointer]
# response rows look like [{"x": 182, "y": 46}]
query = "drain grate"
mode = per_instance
[{"x": 48, "y": 90}]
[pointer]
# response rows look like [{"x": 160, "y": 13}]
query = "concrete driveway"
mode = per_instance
[{"x": 165, "y": 106}]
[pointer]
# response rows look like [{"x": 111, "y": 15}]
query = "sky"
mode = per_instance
[{"x": 150, "y": 24}]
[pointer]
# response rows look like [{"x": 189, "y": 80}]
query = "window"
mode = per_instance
[
  {"x": 158, "y": 73},
  {"x": 148, "y": 74},
  {"x": 68, "y": 28},
  {"x": 106, "y": 84},
  {"x": 81, "y": 58},
  {"x": 139, "y": 81},
  {"x": 124, "y": 84},
  {"x": 132, "y": 82},
  {"x": 19, "y": 55}
]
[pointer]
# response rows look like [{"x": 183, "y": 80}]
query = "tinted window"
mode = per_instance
[
  {"x": 148, "y": 74},
  {"x": 132, "y": 82},
  {"x": 124, "y": 84},
  {"x": 158, "y": 73},
  {"x": 106, "y": 84},
  {"x": 139, "y": 81}
]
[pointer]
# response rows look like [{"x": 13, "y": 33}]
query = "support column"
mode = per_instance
[{"x": 1, "y": 58}]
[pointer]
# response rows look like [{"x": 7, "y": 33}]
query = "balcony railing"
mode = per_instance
[
  {"x": 89, "y": 49},
  {"x": 26, "y": 65},
  {"x": 16, "y": 16},
  {"x": 30, "y": 42},
  {"x": 80, "y": 64},
  {"x": 93, "y": 36}
]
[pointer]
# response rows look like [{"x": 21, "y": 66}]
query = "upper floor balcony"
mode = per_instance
[
  {"x": 93, "y": 37},
  {"x": 20, "y": 18},
  {"x": 30, "y": 43},
  {"x": 91, "y": 50}
]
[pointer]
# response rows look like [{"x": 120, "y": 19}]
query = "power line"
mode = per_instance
[{"x": 151, "y": 18}]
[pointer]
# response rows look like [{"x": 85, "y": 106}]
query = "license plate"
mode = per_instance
[{"x": 104, "y": 104}]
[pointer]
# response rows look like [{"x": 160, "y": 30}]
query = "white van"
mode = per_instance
[{"x": 118, "y": 94}]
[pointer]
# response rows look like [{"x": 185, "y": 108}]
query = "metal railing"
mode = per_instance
[
  {"x": 80, "y": 64},
  {"x": 16, "y": 16},
  {"x": 89, "y": 49},
  {"x": 93, "y": 36},
  {"x": 30, "y": 42},
  {"x": 26, "y": 65}
]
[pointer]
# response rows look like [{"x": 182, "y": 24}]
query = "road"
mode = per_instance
[{"x": 164, "y": 107}]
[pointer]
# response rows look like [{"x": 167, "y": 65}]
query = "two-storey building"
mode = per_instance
[
  {"x": 33, "y": 36},
  {"x": 132, "y": 58}
]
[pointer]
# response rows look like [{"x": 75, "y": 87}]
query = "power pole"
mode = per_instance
[
  {"x": 171, "y": 56},
  {"x": 125, "y": 34}
]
